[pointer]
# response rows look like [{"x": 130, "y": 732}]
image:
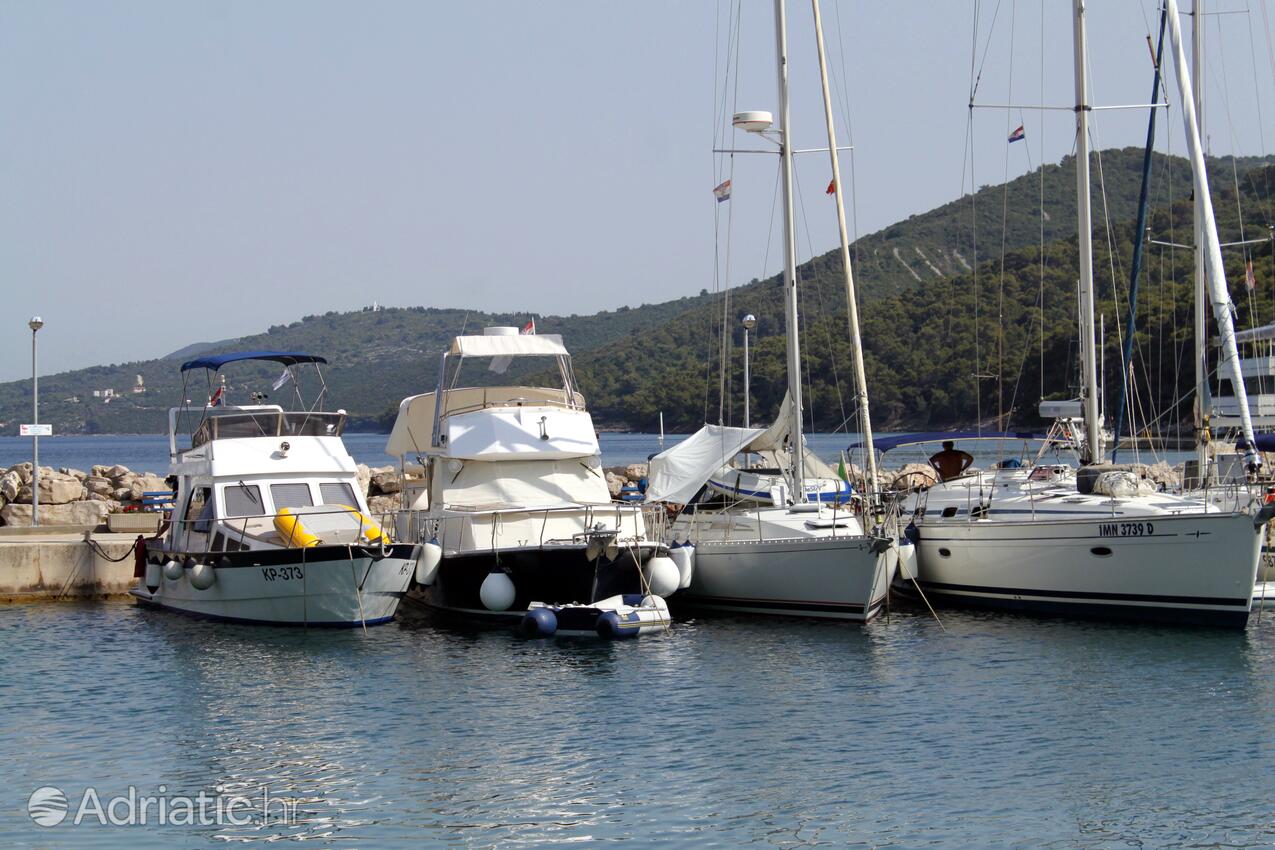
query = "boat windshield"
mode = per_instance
[{"x": 268, "y": 424}]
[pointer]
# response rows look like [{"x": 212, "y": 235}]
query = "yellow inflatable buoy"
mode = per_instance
[{"x": 292, "y": 531}]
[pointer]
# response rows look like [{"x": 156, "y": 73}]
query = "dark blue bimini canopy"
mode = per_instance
[
  {"x": 216, "y": 361},
  {"x": 884, "y": 444}
]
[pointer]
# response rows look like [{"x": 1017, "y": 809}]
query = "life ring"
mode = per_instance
[{"x": 291, "y": 528}]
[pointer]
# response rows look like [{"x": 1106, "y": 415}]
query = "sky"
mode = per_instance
[{"x": 174, "y": 172}]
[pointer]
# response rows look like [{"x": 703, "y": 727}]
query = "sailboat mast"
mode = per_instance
[
  {"x": 1200, "y": 415},
  {"x": 797, "y": 446},
  {"x": 1084, "y": 224},
  {"x": 1206, "y": 224},
  {"x": 856, "y": 341}
]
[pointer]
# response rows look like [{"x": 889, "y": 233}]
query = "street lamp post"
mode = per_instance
[
  {"x": 35, "y": 324},
  {"x": 749, "y": 322}
]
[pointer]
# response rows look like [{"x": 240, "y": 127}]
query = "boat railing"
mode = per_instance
[
  {"x": 559, "y": 525},
  {"x": 488, "y": 404},
  {"x": 261, "y": 528}
]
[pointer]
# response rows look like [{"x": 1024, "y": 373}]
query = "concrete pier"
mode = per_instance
[{"x": 57, "y": 563}]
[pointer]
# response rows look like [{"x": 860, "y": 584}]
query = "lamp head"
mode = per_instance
[
  {"x": 749, "y": 322},
  {"x": 35, "y": 324}
]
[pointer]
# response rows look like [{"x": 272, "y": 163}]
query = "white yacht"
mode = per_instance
[
  {"x": 1029, "y": 540},
  {"x": 504, "y": 488},
  {"x": 792, "y": 558},
  {"x": 787, "y": 552},
  {"x": 1044, "y": 542},
  {"x": 270, "y": 524}
]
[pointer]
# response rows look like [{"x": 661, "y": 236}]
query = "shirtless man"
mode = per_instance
[{"x": 950, "y": 462}]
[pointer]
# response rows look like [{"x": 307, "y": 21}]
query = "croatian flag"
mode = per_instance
[
  {"x": 215, "y": 401},
  {"x": 529, "y": 328},
  {"x": 1018, "y": 135},
  {"x": 722, "y": 192},
  {"x": 832, "y": 188},
  {"x": 1250, "y": 279}
]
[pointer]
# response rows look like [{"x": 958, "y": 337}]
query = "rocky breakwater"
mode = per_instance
[
  {"x": 619, "y": 477},
  {"x": 381, "y": 486},
  {"x": 72, "y": 496}
]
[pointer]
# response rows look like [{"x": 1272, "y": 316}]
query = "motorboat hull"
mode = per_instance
[
  {"x": 557, "y": 575},
  {"x": 842, "y": 578},
  {"x": 337, "y": 586},
  {"x": 1194, "y": 569}
]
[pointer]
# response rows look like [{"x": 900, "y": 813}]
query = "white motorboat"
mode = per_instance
[
  {"x": 1095, "y": 544},
  {"x": 270, "y": 524},
  {"x": 507, "y": 495}
]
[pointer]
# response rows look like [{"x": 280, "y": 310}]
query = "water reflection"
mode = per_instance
[{"x": 720, "y": 732}]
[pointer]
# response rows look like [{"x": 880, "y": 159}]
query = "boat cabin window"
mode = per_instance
[
  {"x": 337, "y": 493},
  {"x": 267, "y": 423},
  {"x": 243, "y": 500},
  {"x": 199, "y": 510},
  {"x": 290, "y": 496},
  {"x": 313, "y": 424}
]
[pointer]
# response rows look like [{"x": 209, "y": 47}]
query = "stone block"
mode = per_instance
[{"x": 90, "y": 513}]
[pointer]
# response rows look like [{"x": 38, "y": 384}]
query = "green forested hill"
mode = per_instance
[
  {"x": 917, "y": 282},
  {"x": 920, "y": 336}
]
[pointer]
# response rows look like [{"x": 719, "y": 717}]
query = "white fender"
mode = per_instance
[
  {"x": 907, "y": 560},
  {"x": 684, "y": 557},
  {"x": 173, "y": 570},
  {"x": 203, "y": 576},
  {"x": 428, "y": 557},
  {"x": 497, "y": 592},
  {"x": 154, "y": 574},
  {"x": 662, "y": 575}
]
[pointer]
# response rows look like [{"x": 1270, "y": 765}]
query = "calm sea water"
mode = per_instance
[
  {"x": 1002, "y": 732},
  {"x": 999, "y": 732}
]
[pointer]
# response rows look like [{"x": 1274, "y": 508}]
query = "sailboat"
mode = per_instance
[
  {"x": 1099, "y": 547},
  {"x": 786, "y": 555}
]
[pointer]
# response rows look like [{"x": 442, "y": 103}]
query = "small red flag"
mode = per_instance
[
  {"x": 832, "y": 187},
  {"x": 1250, "y": 279}
]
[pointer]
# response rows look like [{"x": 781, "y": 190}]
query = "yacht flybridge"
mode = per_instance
[
  {"x": 270, "y": 524},
  {"x": 504, "y": 488}
]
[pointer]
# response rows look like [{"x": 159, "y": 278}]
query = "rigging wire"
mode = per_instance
[
  {"x": 824, "y": 324},
  {"x": 721, "y": 268},
  {"x": 1000, "y": 282},
  {"x": 968, "y": 163}
]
